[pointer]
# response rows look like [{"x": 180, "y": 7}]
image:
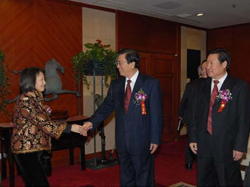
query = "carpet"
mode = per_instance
[
  {"x": 169, "y": 170},
  {"x": 181, "y": 184}
]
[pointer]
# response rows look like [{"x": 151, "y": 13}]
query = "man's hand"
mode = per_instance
[
  {"x": 237, "y": 155},
  {"x": 84, "y": 129},
  {"x": 193, "y": 147},
  {"x": 153, "y": 148}
]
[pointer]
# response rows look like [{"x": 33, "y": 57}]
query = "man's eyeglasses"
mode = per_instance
[{"x": 119, "y": 63}]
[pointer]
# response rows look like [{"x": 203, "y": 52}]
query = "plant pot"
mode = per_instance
[{"x": 97, "y": 66}]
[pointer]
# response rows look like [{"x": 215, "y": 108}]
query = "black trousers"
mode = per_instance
[
  {"x": 213, "y": 173},
  {"x": 136, "y": 170},
  {"x": 189, "y": 156},
  {"x": 31, "y": 168}
]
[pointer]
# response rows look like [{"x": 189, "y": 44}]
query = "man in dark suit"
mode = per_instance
[
  {"x": 219, "y": 125},
  {"x": 137, "y": 101},
  {"x": 186, "y": 98}
]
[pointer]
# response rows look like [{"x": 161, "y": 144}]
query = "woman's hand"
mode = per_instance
[{"x": 75, "y": 128}]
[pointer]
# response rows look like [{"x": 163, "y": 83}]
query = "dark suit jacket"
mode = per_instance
[
  {"x": 230, "y": 127},
  {"x": 186, "y": 98},
  {"x": 133, "y": 130}
]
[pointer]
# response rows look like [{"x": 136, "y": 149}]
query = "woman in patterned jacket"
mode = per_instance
[{"x": 33, "y": 128}]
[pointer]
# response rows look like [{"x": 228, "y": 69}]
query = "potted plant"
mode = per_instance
[
  {"x": 4, "y": 84},
  {"x": 98, "y": 59}
]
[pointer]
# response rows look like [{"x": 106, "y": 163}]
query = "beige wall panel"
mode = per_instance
[
  {"x": 98, "y": 25},
  {"x": 193, "y": 39},
  {"x": 184, "y": 35}
]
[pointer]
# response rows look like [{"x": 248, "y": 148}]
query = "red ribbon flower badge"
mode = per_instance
[
  {"x": 140, "y": 98},
  {"x": 225, "y": 96}
]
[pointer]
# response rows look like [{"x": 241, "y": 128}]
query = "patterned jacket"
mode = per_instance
[{"x": 33, "y": 127}]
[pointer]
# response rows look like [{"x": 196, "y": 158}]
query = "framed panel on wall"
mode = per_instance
[{"x": 193, "y": 62}]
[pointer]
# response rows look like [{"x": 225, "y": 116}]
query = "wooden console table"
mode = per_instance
[{"x": 66, "y": 141}]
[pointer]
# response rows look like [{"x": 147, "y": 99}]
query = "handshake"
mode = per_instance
[{"x": 83, "y": 130}]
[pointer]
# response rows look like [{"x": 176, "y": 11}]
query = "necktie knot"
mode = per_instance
[
  {"x": 216, "y": 82},
  {"x": 129, "y": 81}
]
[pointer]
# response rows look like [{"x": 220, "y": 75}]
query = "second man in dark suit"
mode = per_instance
[
  {"x": 183, "y": 111},
  {"x": 219, "y": 125}
]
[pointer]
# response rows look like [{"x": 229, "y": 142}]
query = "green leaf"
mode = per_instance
[
  {"x": 89, "y": 45},
  {"x": 101, "y": 56}
]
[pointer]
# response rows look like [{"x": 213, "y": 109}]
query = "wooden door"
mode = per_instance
[{"x": 164, "y": 67}]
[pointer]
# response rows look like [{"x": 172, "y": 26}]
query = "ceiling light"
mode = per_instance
[
  {"x": 183, "y": 15},
  {"x": 199, "y": 14}
]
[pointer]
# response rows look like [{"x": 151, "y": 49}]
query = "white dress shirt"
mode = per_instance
[
  {"x": 133, "y": 80},
  {"x": 221, "y": 81}
]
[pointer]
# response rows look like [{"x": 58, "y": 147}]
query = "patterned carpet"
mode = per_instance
[{"x": 181, "y": 184}]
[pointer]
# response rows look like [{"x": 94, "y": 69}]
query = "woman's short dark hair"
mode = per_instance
[
  {"x": 28, "y": 79},
  {"x": 223, "y": 55},
  {"x": 131, "y": 56}
]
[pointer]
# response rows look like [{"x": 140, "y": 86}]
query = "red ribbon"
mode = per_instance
[
  {"x": 143, "y": 108},
  {"x": 222, "y": 106}
]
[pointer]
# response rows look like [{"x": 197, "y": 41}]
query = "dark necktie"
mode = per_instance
[
  {"x": 127, "y": 95},
  {"x": 213, "y": 96}
]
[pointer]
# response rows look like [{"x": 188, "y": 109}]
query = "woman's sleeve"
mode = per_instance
[{"x": 33, "y": 112}]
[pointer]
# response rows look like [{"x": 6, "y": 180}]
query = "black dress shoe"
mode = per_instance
[{"x": 188, "y": 166}]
